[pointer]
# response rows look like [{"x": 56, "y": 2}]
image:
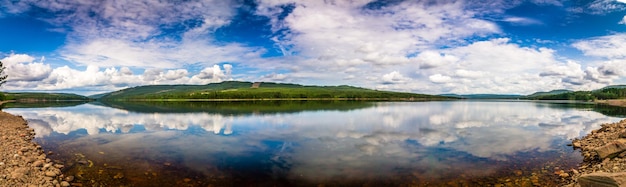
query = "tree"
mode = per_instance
[
  {"x": 3, "y": 79},
  {"x": 3, "y": 76}
]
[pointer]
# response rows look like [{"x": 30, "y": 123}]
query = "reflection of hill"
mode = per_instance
[
  {"x": 237, "y": 107},
  {"x": 42, "y": 104},
  {"x": 613, "y": 111}
]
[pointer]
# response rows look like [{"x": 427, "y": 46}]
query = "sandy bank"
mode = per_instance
[
  {"x": 23, "y": 162},
  {"x": 613, "y": 102}
]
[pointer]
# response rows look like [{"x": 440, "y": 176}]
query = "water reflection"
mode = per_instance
[{"x": 399, "y": 143}]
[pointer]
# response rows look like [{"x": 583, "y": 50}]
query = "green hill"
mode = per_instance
[
  {"x": 553, "y": 92},
  {"x": 38, "y": 96},
  {"x": 609, "y": 92},
  {"x": 234, "y": 90}
]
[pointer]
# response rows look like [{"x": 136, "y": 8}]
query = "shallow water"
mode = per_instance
[{"x": 314, "y": 143}]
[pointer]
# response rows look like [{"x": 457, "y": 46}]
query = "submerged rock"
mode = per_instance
[{"x": 602, "y": 179}]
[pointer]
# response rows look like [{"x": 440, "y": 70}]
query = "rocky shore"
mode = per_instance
[
  {"x": 604, "y": 157},
  {"x": 23, "y": 162}
]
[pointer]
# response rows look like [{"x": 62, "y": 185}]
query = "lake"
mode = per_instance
[{"x": 315, "y": 143}]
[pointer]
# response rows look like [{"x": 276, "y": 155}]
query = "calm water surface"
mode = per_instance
[{"x": 312, "y": 143}]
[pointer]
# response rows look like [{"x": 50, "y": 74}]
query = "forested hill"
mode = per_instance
[
  {"x": 609, "y": 92},
  {"x": 37, "y": 96},
  {"x": 249, "y": 90}
]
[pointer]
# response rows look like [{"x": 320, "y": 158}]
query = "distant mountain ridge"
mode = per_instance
[
  {"x": 484, "y": 96},
  {"x": 553, "y": 92}
]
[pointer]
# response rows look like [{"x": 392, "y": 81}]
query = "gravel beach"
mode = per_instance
[
  {"x": 22, "y": 161},
  {"x": 604, "y": 162}
]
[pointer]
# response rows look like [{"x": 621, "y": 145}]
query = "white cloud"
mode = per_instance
[
  {"x": 20, "y": 67},
  {"x": 604, "y": 6},
  {"x": 345, "y": 31},
  {"x": 26, "y": 75},
  {"x": 548, "y": 2},
  {"x": 431, "y": 59},
  {"x": 394, "y": 77},
  {"x": 469, "y": 74},
  {"x": 156, "y": 54},
  {"x": 143, "y": 34},
  {"x": 522, "y": 21},
  {"x": 610, "y": 46},
  {"x": 623, "y": 21},
  {"x": 274, "y": 77},
  {"x": 438, "y": 78}
]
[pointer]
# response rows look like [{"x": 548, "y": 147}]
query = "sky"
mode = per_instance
[{"x": 432, "y": 47}]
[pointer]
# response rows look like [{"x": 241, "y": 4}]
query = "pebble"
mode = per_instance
[
  {"x": 65, "y": 184},
  {"x": 38, "y": 163},
  {"x": 51, "y": 174},
  {"x": 589, "y": 145}
]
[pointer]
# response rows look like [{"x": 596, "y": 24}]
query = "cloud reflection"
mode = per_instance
[{"x": 371, "y": 142}]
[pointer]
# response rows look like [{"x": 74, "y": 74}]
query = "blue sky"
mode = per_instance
[{"x": 433, "y": 47}]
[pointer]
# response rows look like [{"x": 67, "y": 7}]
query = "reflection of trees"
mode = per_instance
[
  {"x": 609, "y": 110},
  {"x": 456, "y": 125},
  {"x": 334, "y": 138},
  {"x": 238, "y": 107},
  {"x": 613, "y": 111},
  {"x": 43, "y": 104}
]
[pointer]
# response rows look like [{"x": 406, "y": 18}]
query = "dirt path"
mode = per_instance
[{"x": 23, "y": 162}]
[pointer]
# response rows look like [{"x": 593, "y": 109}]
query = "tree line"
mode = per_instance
[{"x": 603, "y": 94}]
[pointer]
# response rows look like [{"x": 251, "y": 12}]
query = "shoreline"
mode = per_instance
[
  {"x": 604, "y": 157},
  {"x": 22, "y": 161},
  {"x": 613, "y": 102}
]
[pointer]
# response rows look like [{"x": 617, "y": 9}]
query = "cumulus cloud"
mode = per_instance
[
  {"x": 438, "y": 78},
  {"x": 24, "y": 74},
  {"x": 442, "y": 46},
  {"x": 623, "y": 21},
  {"x": 349, "y": 32},
  {"x": 610, "y": 50},
  {"x": 431, "y": 59},
  {"x": 21, "y": 67},
  {"x": 142, "y": 34},
  {"x": 394, "y": 78}
]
